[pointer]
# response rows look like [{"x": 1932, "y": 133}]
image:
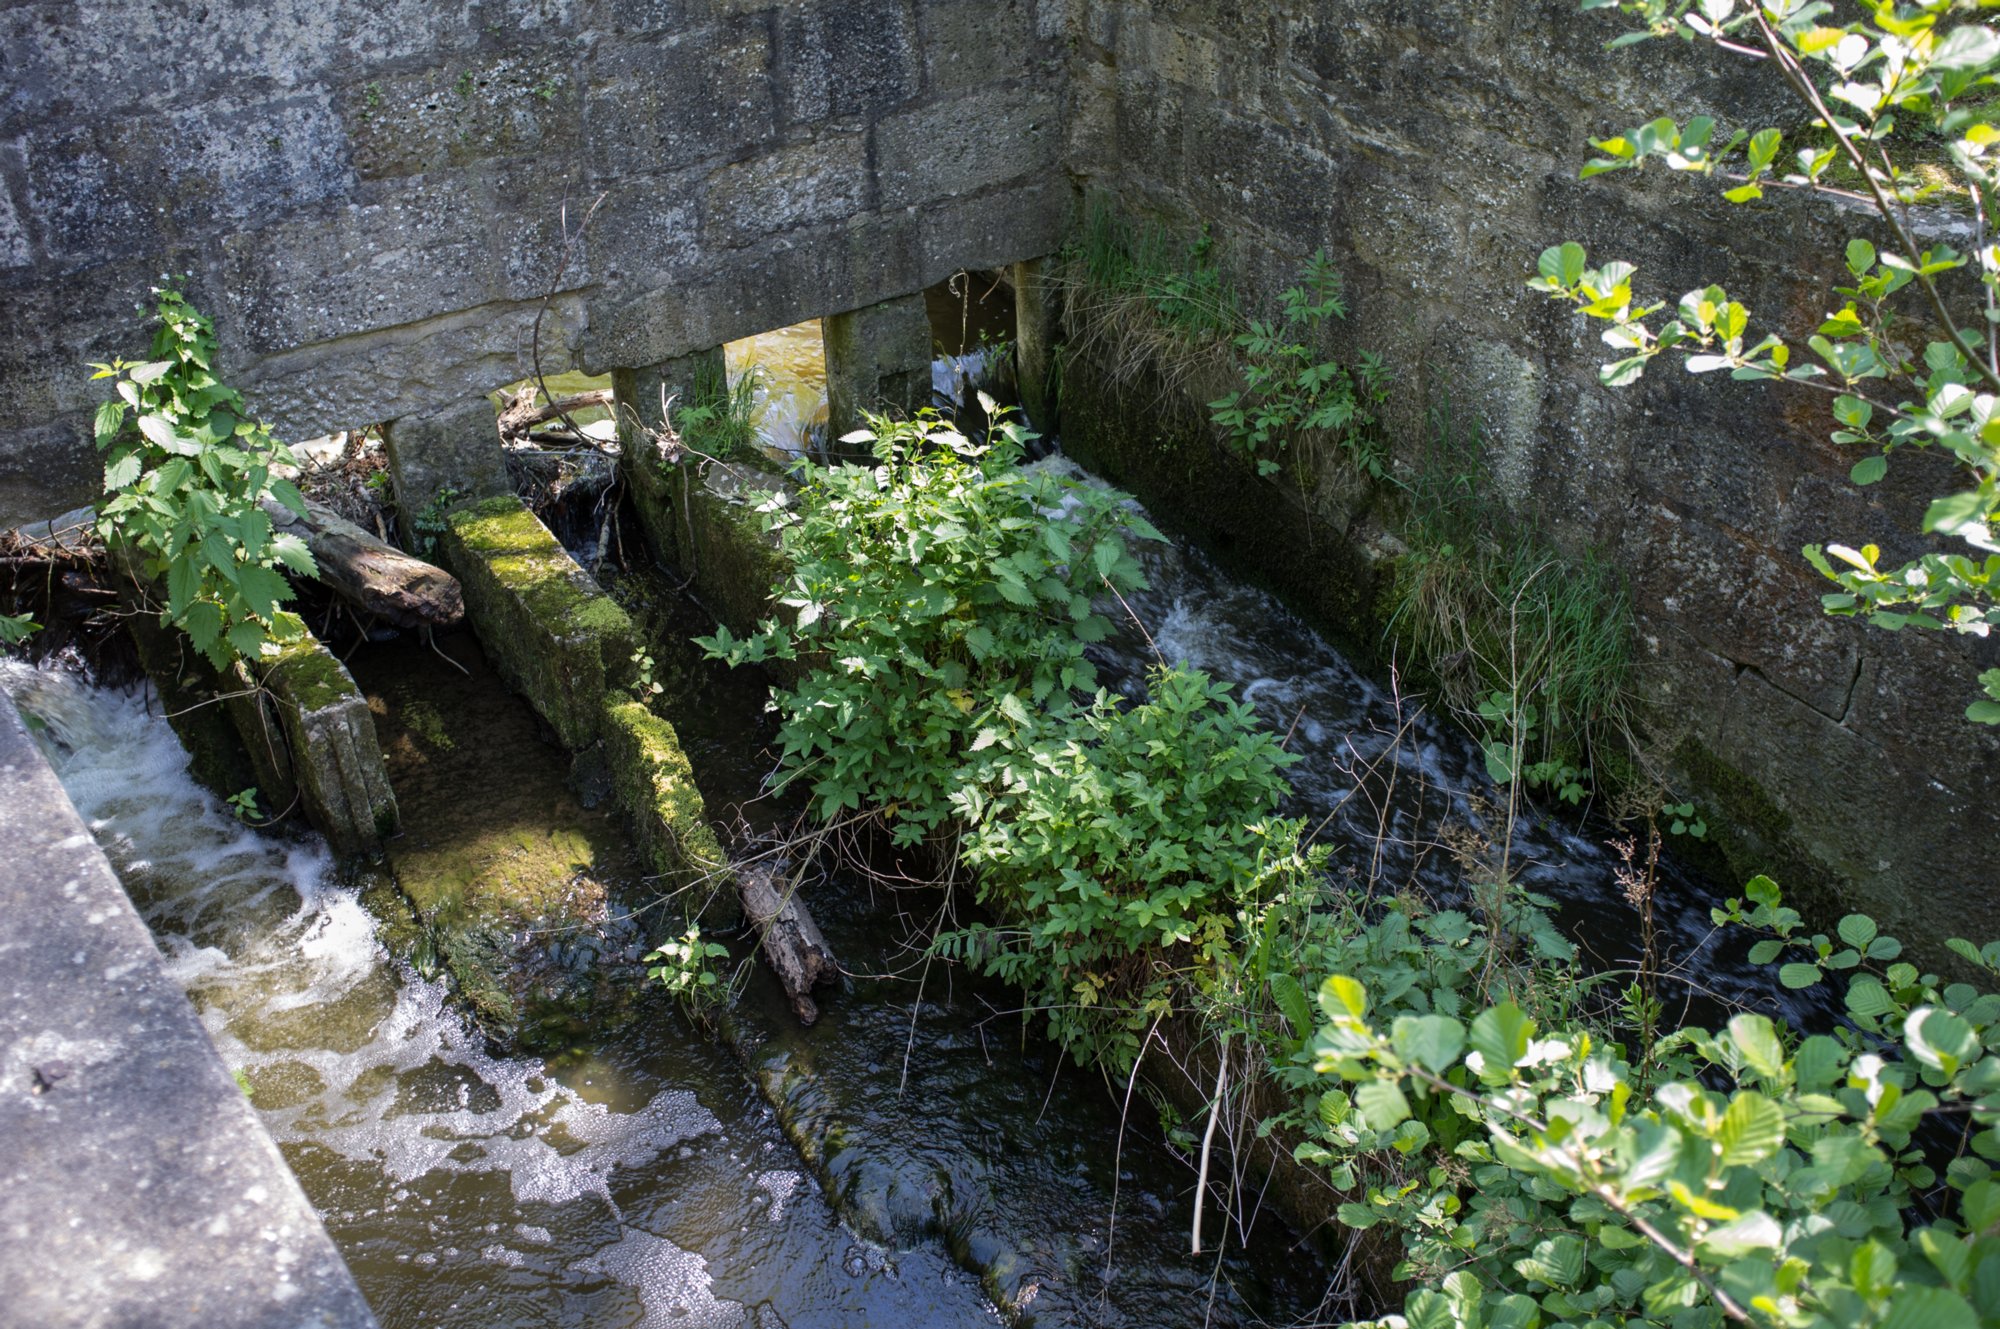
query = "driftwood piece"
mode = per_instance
[
  {"x": 792, "y": 943},
  {"x": 520, "y": 415},
  {"x": 378, "y": 578}
]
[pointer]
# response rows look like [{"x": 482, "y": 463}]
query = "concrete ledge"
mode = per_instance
[
  {"x": 553, "y": 636},
  {"x": 702, "y": 521},
  {"x": 655, "y": 786},
  {"x": 137, "y": 1186}
]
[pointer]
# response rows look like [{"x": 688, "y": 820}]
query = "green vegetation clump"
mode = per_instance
[
  {"x": 942, "y": 599},
  {"x": 185, "y": 470},
  {"x": 1529, "y": 647},
  {"x": 720, "y": 418}
]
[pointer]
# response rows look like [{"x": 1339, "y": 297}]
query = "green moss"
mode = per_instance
[
  {"x": 308, "y": 676},
  {"x": 554, "y": 637},
  {"x": 655, "y": 785}
]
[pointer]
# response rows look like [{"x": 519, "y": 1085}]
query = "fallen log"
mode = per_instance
[
  {"x": 792, "y": 943},
  {"x": 374, "y": 576},
  {"x": 520, "y": 415}
]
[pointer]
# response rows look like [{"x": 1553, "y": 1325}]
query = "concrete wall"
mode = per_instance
[
  {"x": 1433, "y": 151},
  {"x": 369, "y": 193}
]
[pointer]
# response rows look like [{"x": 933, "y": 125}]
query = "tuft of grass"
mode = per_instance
[
  {"x": 1529, "y": 645},
  {"x": 1141, "y": 302},
  {"x": 720, "y": 419}
]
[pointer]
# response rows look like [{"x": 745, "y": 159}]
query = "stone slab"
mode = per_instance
[
  {"x": 555, "y": 637},
  {"x": 137, "y": 1186}
]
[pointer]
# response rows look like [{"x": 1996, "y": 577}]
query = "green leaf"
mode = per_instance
[
  {"x": 1857, "y": 930},
  {"x": 1500, "y": 1036},
  {"x": 1341, "y": 995},
  {"x": 1798, "y": 974},
  {"x": 1430, "y": 1041},
  {"x": 1869, "y": 470},
  {"x": 1752, "y": 1130},
  {"x": 1757, "y": 1039},
  {"x": 1966, "y": 48},
  {"x": 1382, "y": 1104},
  {"x": 1928, "y": 1308},
  {"x": 122, "y": 472},
  {"x": 1939, "y": 1039}
]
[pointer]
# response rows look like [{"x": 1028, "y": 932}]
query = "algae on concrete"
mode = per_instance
[
  {"x": 335, "y": 755},
  {"x": 555, "y": 637},
  {"x": 655, "y": 785},
  {"x": 702, "y": 520}
]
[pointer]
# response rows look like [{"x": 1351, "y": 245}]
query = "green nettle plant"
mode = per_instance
[
  {"x": 1748, "y": 1176},
  {"x": 942, "y": 598},
  {"x": 185, "y": 470},
  {"x": 15, "y": 628},
  {"x": 1291, "y": 395},
  {"x": 1113, "y": 843},
  {"x": 1910, "y": 357}
]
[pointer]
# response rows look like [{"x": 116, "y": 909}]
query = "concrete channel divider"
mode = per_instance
[
  {"x": 566, "y": 647},
  {"x": 700, "y": 517},
  {"x": 137, "y": 1185},
  {"x": 294, "y": 726}
]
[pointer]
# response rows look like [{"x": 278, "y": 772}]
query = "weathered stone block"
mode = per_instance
[
  {"x": 968, "y": 42},
  {"x": 877, "y": 358},
  {"x": 965, "y": 145},
  {"x": 335, "y": 755},
  {"x": 715, "y": 102},
  {"x": 442, "y": 459},
  {"x": 452, "y": 115},
  {"x": 822, "y": 180},
  {"x": 554, "y": 636},
  {"x": 404, "y": 372},
  {"x": 846, "y": 58},
  {"x": 434, "y": 245},
  {"x": 655, "y": 786}
]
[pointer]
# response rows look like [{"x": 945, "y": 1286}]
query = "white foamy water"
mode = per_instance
[{"x": 351, "y": 1055}]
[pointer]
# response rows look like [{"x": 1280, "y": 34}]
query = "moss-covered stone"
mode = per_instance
[
  {"x": 655, "y": 785},
  {"x": 555, "y": 638},
  {"x": 701, "y": 519},
  {"x": 507, "y": 873},
  {"x": 336, "y": 758}
]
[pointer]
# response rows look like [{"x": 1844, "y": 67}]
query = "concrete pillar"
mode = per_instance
[
  {"x": 876, "y": 358},
  {"x": 1037, "y": 329},
  {"x": 456, "y": 447},
  {"x": 639, "y": 393}
]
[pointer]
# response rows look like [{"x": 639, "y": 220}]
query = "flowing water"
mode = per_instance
[{"x": 871, "y": 1170}]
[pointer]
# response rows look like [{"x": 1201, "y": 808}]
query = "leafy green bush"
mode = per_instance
[
  {"x": 185, "y": 469},
  {"x": 1116, "y": 840},
  {"x": 943, "y": 599},
  {"x": 1749, "y": 1175},
  {"x": 1291, "y": 396}
]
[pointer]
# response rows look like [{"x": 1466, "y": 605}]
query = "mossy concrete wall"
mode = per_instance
[
  {"x": 655, "y": 786},
  {"x": 370, "y": 195},
  {"x": 1432, "y": 152},
  {"x": 700, "y": 518},
  {"x": 553, "y": 635}
]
